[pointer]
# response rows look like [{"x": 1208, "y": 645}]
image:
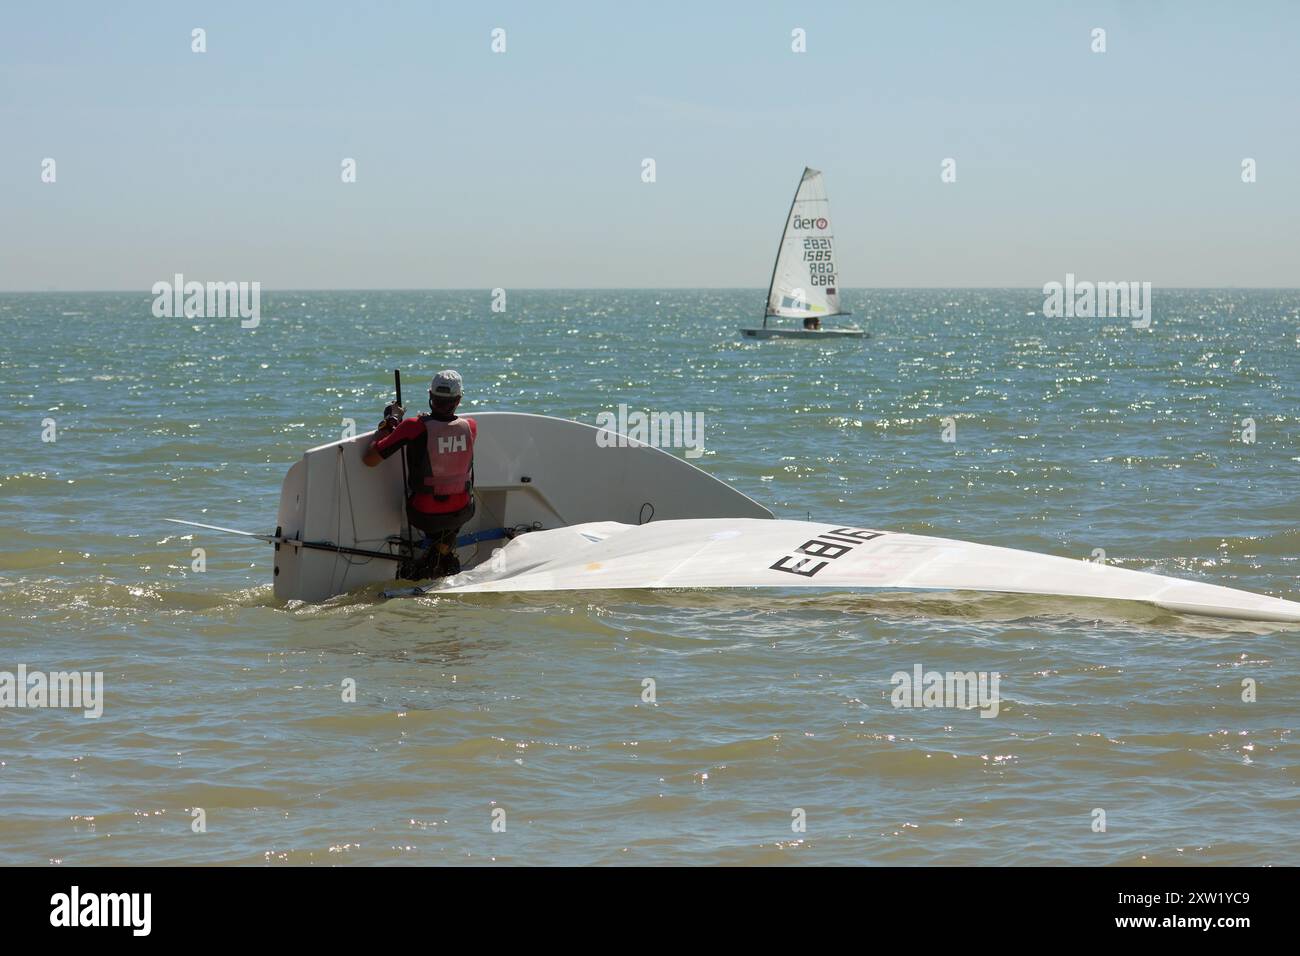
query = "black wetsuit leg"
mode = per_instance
[{"x": 441, "y": 529}]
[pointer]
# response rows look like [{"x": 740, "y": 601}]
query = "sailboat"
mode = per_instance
[
  {"x": 559, "y": 512},
  {"x": 805, "y": 280}
]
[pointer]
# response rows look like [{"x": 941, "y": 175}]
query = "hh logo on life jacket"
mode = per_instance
[{"x": 451, "y": 444}]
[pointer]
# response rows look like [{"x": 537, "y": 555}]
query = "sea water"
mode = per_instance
[{"x": 656, "y": 727}]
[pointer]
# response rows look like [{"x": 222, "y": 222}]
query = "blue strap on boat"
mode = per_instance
[{"x": 489, "y": 534}]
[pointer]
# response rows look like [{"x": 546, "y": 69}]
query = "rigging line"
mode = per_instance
[
  {"x": 338, "y": 520},
  {"x": 347, "y": 482},
  {"x": 497, "y": 520},
  {"x": 478, "y": 501},
  {"x": 338, "y": 525},
  {"x": 406, "y": 490},
  {"x": 406, "y": 484},
  {"x": 352, "y": 517}
]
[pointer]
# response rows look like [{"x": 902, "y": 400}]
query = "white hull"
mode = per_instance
[
  {"x": 528, "y": 470},
  {"x": 851, "y": 331}
]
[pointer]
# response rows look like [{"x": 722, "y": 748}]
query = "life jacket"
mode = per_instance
[{"x": 450, "y": 446}]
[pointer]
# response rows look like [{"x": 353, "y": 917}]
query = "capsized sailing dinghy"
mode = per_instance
[
  {"x": 558, "y": 511},
  {"x": 342, "y": 525},
  {"x": 805, "y": 278}
]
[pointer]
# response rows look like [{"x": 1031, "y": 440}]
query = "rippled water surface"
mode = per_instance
[{"x": 1072, "y": 435}]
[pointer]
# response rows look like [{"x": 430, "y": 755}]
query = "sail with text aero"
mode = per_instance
[{"x": 805, "y": 281}]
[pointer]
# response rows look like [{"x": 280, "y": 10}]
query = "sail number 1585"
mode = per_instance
[{"x": 817, "y": 250}]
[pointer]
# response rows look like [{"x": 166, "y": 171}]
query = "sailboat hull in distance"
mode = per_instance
[
  {"x": 847, "y": 332},
  {"x": 805, "y": 279}
]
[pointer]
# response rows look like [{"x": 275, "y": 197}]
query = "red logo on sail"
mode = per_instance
[{"x": 800, "y": 222}]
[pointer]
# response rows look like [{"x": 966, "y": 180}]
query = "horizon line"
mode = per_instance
[{"x": 710, "y": 288}]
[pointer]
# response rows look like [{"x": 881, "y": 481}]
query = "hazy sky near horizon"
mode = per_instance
[{"x": 523, "y": 169}]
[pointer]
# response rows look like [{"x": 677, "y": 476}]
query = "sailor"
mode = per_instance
[
  {"x": 439, "y": 451},
  {"x": 812, "y": 323}
]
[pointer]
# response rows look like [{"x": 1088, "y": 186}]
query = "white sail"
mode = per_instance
[
  {"x": 748, "y": 553},
  {"x": 805, "y": 278}
]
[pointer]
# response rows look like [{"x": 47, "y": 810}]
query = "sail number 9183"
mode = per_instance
[{"x": 827, "y": 546}]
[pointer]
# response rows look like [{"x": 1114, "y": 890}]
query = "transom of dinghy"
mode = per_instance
[{"x": 529, "y": 471}]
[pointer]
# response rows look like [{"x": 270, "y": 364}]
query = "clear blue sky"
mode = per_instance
[{"x": 522, "y": 169}]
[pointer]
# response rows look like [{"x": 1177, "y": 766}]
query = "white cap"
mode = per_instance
[{"x": 446, "y": 384}]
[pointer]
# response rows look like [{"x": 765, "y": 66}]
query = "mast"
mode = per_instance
[
  {"x": 780, "y": 245},
  {"x": 406, "y": 488}
]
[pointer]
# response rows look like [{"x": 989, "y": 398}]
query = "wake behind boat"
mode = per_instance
[{"x": 805, "y": 279}]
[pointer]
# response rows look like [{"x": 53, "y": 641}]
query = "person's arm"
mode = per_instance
[
  {"x": 372, "y": 456},
  {"x": 391, "y": 435}
]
